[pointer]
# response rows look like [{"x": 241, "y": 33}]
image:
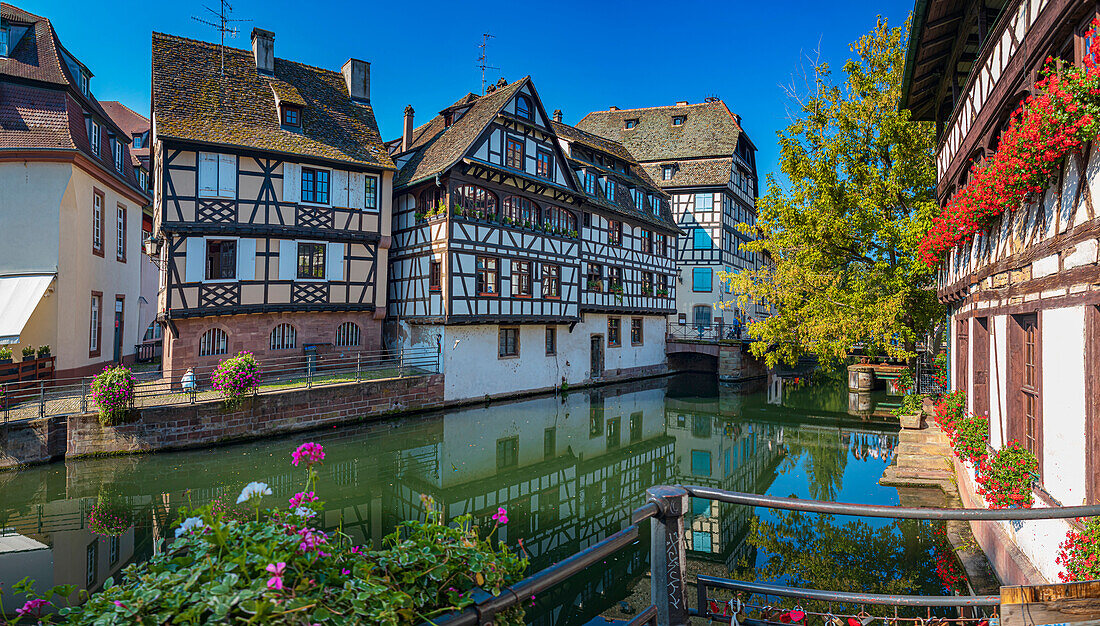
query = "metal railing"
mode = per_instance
[
  {"x": 666, "y": 507},
  {"x": 706, "y": 332},
  {"x": 67, "y": 396}
]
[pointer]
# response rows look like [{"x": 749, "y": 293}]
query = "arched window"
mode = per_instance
[
  {"x": 284, "y": 337},
  {"x": 521, "y": 210},
  {"x": 430, "y": 199},
  {"x": 523, "y": 107},
  {"x": 153, "y": 332},
  {"x": 473, "y": 198},
  {"x": 213, "y": 341},
  {"x": 559, "y": 218},
  {"x": 347, "y": 335}
]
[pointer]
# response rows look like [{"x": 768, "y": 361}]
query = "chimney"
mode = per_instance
[
  {"x": 682, "y": 103},
  {"x": 613, "y": 108},
  {"x": 263, "y": 50},
  {"x": 557, "y": 115},
  {"x": 407, "y": 136},
  {"x": 357, "y": 77}
]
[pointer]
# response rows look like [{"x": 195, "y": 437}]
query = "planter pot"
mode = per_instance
[
  {"x": 5, "y": 361},
  {"x": 911, "y": 421}
]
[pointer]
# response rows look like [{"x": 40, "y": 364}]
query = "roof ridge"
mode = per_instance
[
  {"x": 12, "y": 7},
  {"x": 661, "y": 106},
  {"x": 210, "y": 44},
  {"x": 119, "y": 103}
]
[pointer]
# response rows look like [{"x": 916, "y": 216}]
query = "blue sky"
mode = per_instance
[{"x": 583, "y": 56}]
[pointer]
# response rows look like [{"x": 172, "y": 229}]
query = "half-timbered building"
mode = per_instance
[
  {"x": 701, "y": 156},
  {"x": 1024, "y": 309},
  {"x": 71, "y": 206},
  {"x": 487, "y": 258},
  {"x": 272, "y": 199}
]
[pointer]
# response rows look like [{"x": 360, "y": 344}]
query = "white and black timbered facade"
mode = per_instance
[
  {"x": 701, "y": 157},
  {"x": 491, "y": 256},
  {"x": 272, "y": 227}
]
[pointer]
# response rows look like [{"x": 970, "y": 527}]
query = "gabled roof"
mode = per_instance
[
  {"x": 194, "y": 101},
  {"x": 41, "y": 104},
  {"x": 435, "y": 147},
  {"x": 709, "y": 130},
  {"x": 635, "y": 176},
  {"x": 130, "y": 121}
]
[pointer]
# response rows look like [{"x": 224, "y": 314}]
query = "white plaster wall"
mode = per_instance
[
  {"x": 1063, "y": 390},
  {"x": 998, "y": 381},
  {"x": 30, "y": 207}
]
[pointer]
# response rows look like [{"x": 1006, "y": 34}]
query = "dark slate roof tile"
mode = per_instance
[{"x": 709, "y": 130}]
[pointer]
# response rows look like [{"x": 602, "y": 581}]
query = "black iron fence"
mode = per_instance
[
  {"x": 666, "y": 507},
  {"x": 706, "y": 332},
  {"x": 67, "y": 396}
]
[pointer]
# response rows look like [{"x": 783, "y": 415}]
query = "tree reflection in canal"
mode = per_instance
[{"x": 569, "y": 470}]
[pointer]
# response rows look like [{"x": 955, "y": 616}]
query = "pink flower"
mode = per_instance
[
  {"x": 301, "y": 497},
  {"x": 309, "y": 452},
  {"x": 33, "y": 607},
  {"x": 119, "y": 604},
  {"x": 501, "y": 516},
  {"x": 345, "y": 571},
  {"x": 276, "y": 581}
]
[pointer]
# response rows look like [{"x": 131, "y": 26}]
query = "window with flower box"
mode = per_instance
[
  {"x": 520, "y": 210},
  {"x": 473, "y": 199},
  {"x": 1025, "y": 383},
  {"x": 615, "y": 279},
  {"x": 595, "y": 277},
  {"x": 560, "y": 219}
]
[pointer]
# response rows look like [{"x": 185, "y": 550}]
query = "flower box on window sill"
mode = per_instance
[{"x": 594, "y": 285}]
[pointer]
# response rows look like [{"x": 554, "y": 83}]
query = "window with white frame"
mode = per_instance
[
  {"x": 217, "y": 175},
  {"x": 97, "y": 223},
  {"x": 704, "y": 201},
  {"x": 85, "y": 83},
  {"x": 93, "y": 333},
  {"x": 118, "y": 154},
  {"x": 120, "y": 225},
  {"x": 666, "y": 172},
  {"x": 93, "y": 137}
]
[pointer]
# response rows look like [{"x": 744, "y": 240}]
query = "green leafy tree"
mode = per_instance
[{"x": 841, "y": 234}]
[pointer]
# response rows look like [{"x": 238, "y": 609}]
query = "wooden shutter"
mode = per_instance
[
  {"x": 288, "y": 259},
  {"x": 227, "y": 175},
  {"x": 208, "y": 174},
  {"x": 195, "y": 270},
  {"x": 334, "y": 261},
  {"x": 339, "y": 189},
  {"x": 292, "y": 182},
  {"x": 246, "y": 259},
  {"x": 355, "y": 190}
]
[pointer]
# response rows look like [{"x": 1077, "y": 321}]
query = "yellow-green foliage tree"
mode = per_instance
[{"x": 841, "y": 231}]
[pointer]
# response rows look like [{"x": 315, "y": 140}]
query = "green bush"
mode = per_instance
[
  {"x": 279, "y": 567},
  {"x": 236, "y": 376},
  {"x": 911, "y": 403},
  {"x": 5, "y": 353}
]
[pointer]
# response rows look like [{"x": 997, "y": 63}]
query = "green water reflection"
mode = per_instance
[{"x": 569, "y": 470}]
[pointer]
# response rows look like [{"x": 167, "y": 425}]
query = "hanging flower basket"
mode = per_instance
[{"x": 236, "y": 377}]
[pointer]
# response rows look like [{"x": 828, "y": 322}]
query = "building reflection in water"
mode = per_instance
[{"x": 568, "y": 469}]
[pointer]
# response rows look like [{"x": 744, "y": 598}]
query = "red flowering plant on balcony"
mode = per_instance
[
  {"x": 1079, "y": 554},
  {"x": 1061, "y": 115},
  {"x": 1005, "y": 478}
]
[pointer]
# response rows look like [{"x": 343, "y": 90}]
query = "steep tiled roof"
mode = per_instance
[
  {"x": 193, "y": 101},
  {"x": 46, "y": 109},
  {"x": 436, "y": 146},
  {"x": 694, "y": 172},
  {"x": 636, "y": 176},
  {"x": 709, "y": 130},
  {"x": 130, "y": 121}
]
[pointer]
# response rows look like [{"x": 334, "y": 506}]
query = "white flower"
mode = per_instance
[
  {"x": 304, "y": 512},
  {"x": 253, "y": 490},
  {"x": 188, "y": 524}
]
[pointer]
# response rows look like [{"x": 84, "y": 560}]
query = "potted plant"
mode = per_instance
[
  {"x": 910, "y": 411},
  {"x": 113, "y": 393},
  {"x": 5, "y": 354},
  {"x": 662, "y": 292},
  {"x": 236, "y": 377},
  {"x": 594, "y": 285},
  {"x": 43, "y": 351},
  {"x": 28, "y": 353}
]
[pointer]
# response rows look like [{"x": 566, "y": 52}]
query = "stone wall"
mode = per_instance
[
  {"x": 736, "y": 363},
  {"x": 210, "y": 423}
]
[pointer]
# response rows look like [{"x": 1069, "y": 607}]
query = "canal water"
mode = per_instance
[{"x": 569, "y": 470}]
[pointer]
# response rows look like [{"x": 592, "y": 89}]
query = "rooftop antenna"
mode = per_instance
[
  {"x": 222, "y": 23},
  {"x": 482, "y": 59}
]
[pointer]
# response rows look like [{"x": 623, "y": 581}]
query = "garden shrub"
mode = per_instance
[
  {"x": 236, "y": 376},
  {"x": 113, "y": 393},
  {"x": 280, "y": 567},
  {"x": 911, "y": 404},
  {"x": 1004, "y": 479}
]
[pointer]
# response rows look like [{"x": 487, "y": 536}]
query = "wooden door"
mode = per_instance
[
  {"x": 980, "y": 398},
  {"x": 962, "y": 355},
  {"x": 597, "y": 356},
  {"x": 119, "y": 326}
]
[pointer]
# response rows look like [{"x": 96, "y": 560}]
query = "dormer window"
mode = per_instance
[
  {"x": 136, "y": 143},
  {"x": 666, "y": 172},
  {"x": 630, "y": 124},
  {"x": 678, "y": 120},
  {"x": 93, "y": 137},
  {"x": 5, "y": 39},
  {"x": 117, "y": 145},
  {"x": 291, "y": 116},
  {"x": 84, "y": 83},
  {"x": 523, "y": 107}
]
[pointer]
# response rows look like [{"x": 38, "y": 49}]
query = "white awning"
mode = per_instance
[{"x": 19, "y": 295}]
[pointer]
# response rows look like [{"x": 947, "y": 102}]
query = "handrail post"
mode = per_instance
[
  {"x": 358, "y": 365},
  {"x": 667, "y": 557},
  {"x": 84, "y": 395},
  {"x": 41, "y": 399}
]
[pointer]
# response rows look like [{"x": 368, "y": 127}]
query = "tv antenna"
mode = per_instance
[
  {"x": 222, "y": 23},
  {"x": 482, "y": 59}
]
